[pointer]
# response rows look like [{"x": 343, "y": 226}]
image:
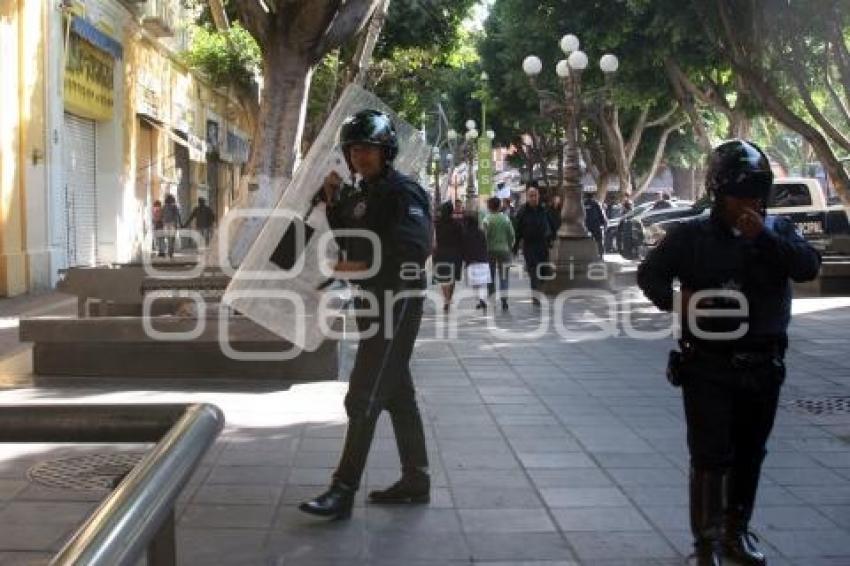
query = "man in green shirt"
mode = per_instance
[{"x": 500, "y": 241}]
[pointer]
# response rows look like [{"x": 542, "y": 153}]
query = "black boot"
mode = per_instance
[
  {"x": 413, "y": 487},
  {"x": 738, "y": 541},
  {"x": 706, "y": 491},
  {"x": 335, "y": 503},
  {"x": 415, "y": 483},
  {"x": 504, "y": 304},
  {"x": 742, "y": 485}
]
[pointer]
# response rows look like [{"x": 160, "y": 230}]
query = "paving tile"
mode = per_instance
[
  {"x": 654, "y": 495},
  {"x": 648, "y": 476},
  {"x": 812, "y": 475},
  {"x": 583, "y": 497},
  {"x": 569, "y": 477},
  {"x": 238, "y": 494},
  {"x": 420, "y": 518},
  {"x": 220, "y": 547},
  {"x": 28, "y": 537},
  {"x": 505, "y": 521},
  {"x": 228, "y": 516},
  {"x": 624, "y": 518},
  {"x": 248, "y": 475},
  {"x": 402, "y": 547},
  {"x": 477, "y": 497},
  {"x": 25, "y": 558},
  {"x": 45, "y": 513},
  {"x": 595, "y": 546},
  {"x": 838, "y": 514},
  {"x": 555, "y": 460},
  {"x": 805, "y": 544},
  {"x": 531, "y": 549},
  {"x": 10, "y": 488},
  {"x": 495, "y": 479}
]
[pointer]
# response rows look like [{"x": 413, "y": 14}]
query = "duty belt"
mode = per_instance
[{"x": 736, "y": 358}]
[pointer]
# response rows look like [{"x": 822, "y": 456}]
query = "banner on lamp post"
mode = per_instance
[{"x": 485, "y": 167}]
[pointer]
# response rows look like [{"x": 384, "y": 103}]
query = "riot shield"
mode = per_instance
[{"x": 285, "y": 281}]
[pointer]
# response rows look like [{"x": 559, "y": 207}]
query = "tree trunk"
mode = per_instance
[
  {"x": 287, "y": 76},
  {"x": 821, "y": 147},
  {"x": 602, "y": 186},
  {"x": 659, "y": 154}
]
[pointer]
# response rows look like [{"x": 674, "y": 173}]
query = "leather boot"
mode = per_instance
[
  {"x": 706, "y": 494},
  {"x": 413, "y": 487},
  {"x": 415, "y": 483},
  {"x": 335, "y": 503},
  {"x": 738, "y": 541}
]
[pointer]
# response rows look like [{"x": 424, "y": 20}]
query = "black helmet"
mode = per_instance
[
  {"x": 739, "y": 168},
  {"x": 369, "y": 127}
]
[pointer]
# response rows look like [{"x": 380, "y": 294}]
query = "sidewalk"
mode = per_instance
[{"x": 544, "y": 452}]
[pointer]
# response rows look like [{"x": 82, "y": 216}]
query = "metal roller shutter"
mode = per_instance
[{"x": 80, "y": 191}]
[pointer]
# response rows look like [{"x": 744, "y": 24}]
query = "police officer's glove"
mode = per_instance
[{"x": 329, "y": 191}]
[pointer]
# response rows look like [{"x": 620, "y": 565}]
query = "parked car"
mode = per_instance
[
  {"x": 612, "y": 242},
  {"x": 631, "y": 229},
  {"x": 802, "y": 200}
]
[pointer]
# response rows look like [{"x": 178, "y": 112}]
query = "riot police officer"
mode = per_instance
[
  {"x": 396, "y": 209},
  {"x": 731, "y": 366}
]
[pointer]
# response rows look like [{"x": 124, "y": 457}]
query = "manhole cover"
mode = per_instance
[
  {"x": 821, "y": 405},
  {"x": 93, "y": 471}
]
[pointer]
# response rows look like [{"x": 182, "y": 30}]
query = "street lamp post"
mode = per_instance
[
  {"x": 451, "y": 136},
  {"x": 471, "y": 136},
  {"x": 575, "y": 250}
]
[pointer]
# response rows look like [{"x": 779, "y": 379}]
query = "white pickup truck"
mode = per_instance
[
  {"x": 800, "y": 199},
  {"x": 803, "y": 201}
]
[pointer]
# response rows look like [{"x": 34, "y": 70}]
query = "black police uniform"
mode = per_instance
[
  {"x": 730, "y": 387},
  {"x": 396, "y": 209},
  {"x": 534, "y": 229}
]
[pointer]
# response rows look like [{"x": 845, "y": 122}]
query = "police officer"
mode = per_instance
[
  {"x": 396, "y": 209},
  {"x": 731, "y": 383}
]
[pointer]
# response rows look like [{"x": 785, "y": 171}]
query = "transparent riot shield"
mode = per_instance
[{"x": 285, "y": 282}]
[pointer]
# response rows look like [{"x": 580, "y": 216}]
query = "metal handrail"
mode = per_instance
[{"x": 139, "y": 513}]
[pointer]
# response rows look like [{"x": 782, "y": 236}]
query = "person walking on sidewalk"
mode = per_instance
[
  {"x": 156, "y": 220},
  {"x": 534, "y": 230},
  {"x": 475, "y": 258},
  {"x": 171, "y": 222},
  {"x": 397, "y": 210},
  {"x": 448, "y": 255},
  {"x": 595, "y": 221},
  {"x": 500, "y": 241},
  {"x": 204, "y": 218},
  {"x": 730, "y": 369}
]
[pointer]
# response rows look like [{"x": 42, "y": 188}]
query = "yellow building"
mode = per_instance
[{"x": 98, "y": 118}]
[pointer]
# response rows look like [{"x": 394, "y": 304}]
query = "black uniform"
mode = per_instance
[
  {"x": 534, "y": 229},
  {"x": 730, "y": 387},
  {"x": 395, "y": 208},
  {"x": 595, "y": 220}
]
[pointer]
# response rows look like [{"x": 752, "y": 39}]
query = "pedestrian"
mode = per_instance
[
  {"x": 730, "y": 382},
  {"x": 475, "y": 258},
  {"x": 663, "y": 201},
  {"x": 156, "y": 220},
  {"x": 448, "y": 256},
  {"x": 459, "y": 209},
  {"x": 500, "y": 241},
  {"x": 397, "y": 210},
  {"x": 204, "y": 220},
  {"x": 595, "y": 221},
  {"x": 534, "y": 231},
  {"x": 170, "y": 222},
  {"x": 555, "y": 210}
]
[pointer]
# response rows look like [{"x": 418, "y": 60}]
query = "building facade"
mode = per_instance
[{"x": 104, "y": 120}]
